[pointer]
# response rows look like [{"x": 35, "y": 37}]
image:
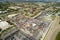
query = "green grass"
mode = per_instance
[
  {"x": 59, "y": 22},
  {"x": 31, "y": 15},
  {"x": 58, "y": 36},
  {"x": 53, "y": 17}
]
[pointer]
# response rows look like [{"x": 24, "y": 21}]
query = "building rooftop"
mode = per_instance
[
  {"x": 4, "y": 25},
  {"x": 12, "y": 15}
]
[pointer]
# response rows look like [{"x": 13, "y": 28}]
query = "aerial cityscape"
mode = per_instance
[{"x": 29, "y": 20}]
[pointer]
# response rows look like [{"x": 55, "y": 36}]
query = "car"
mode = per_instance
[{"x": 0, "y": 19}]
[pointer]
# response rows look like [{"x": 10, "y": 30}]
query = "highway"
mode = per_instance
[{"x": 55, "y": 27}]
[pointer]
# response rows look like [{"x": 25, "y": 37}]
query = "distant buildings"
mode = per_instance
[{"x": 20, "y": 25}]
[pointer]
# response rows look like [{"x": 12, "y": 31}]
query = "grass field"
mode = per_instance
[{"x": 58, "y": 36}]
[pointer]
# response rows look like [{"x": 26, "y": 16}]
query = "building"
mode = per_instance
[{"x": 6, "y": 30}]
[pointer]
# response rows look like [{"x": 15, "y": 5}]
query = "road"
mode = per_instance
[
  {"x": 55, "y": 27},
  {"x": 38, "y": 15}
]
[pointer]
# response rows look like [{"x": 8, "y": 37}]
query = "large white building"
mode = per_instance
[{"x": 4, "y": 25}]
